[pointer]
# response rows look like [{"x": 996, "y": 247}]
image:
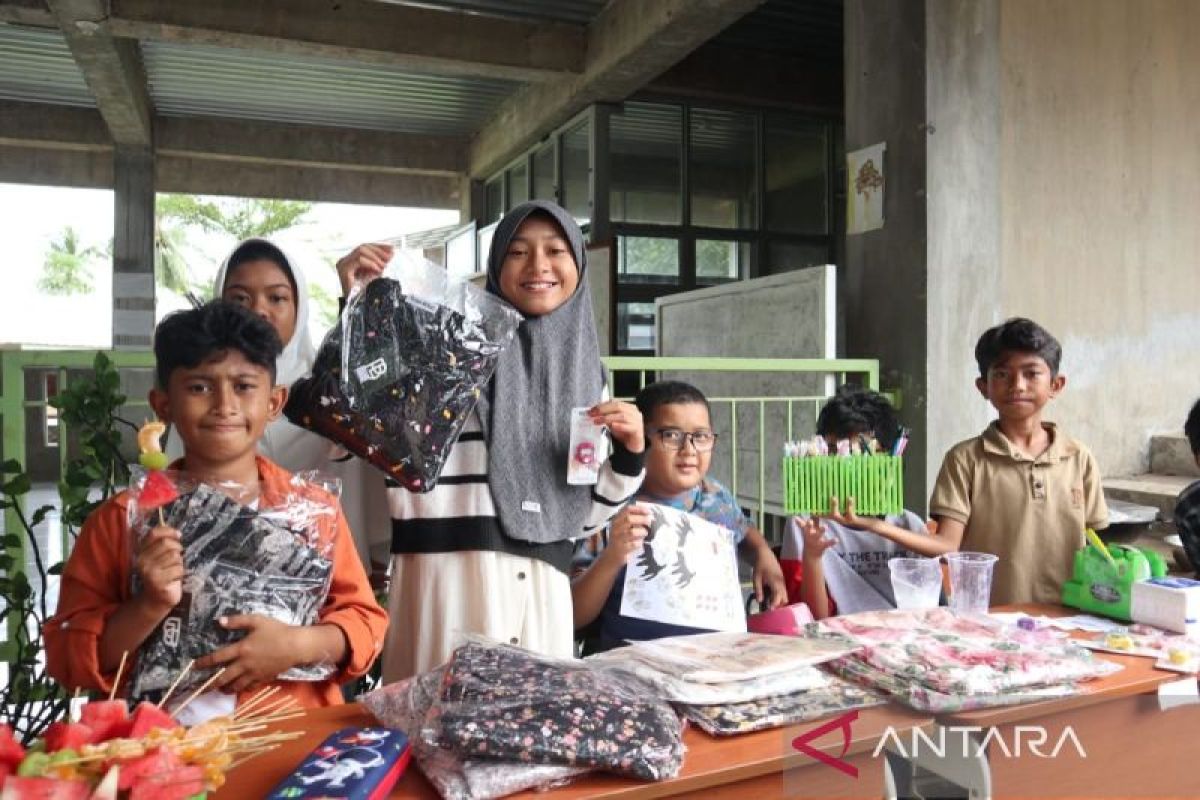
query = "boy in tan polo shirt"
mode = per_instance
[{"x": 1023, "y": 489}]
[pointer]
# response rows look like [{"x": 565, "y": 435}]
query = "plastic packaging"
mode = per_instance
[
  {"x": 588, "y": 449},
  {"x": 405, "y": 704},
  {"x": 502, "y": 702},
  {"x": 272, "y": 556},
  {"x": 395, "y": 380},
  {"x": 669, "y": 686},
  {"x": 776, "y": 711}
]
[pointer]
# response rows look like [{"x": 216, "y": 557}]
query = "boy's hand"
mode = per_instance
[
  {"x": 624, "y": 421},
  {"x": 768, "y": 576},
  {"x": 364, "y": 263},
  {"x": 626, "y": 535},
  {"x": 850, "y": 519},
  {"x": 159, "y": 564},
  {"x": 269, "y": 648},
  {"x": 815, "y": 540}
]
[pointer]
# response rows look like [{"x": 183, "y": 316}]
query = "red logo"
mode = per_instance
[{"x": 800, "y": 743}]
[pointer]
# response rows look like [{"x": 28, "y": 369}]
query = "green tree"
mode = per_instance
[{"x": 67, "y": 267}]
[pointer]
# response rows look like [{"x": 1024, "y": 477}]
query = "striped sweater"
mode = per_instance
[{"x": 459, "y": 514}]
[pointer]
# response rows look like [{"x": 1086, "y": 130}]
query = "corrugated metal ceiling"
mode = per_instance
[
  {"x": 580, "y": 12},
  {"x": 214, "y": 81},
  {"x": 36, "y": 65},
  {"x": 810, "y": 29}
]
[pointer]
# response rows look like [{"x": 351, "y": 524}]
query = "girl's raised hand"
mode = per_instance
[
  {"x": 624, "y": 422},
  {"x": 364, "y": 263}
]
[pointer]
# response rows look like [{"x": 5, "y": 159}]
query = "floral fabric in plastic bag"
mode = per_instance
[
  {"x": 394, "y": 382},
  {"x": 669, "y": 686},
  {"x": 505, "y": 703},
  {"x": 776, "y": 711},
  {"x": 272, "y": 557},
  {"x": 406, "y": 703},
  {"x": 934, "y": 660}
]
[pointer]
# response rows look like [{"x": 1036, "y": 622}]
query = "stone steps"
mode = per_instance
[
  {"x": 1170, "y": 454},
  {"x": 1149, "y": 489}
]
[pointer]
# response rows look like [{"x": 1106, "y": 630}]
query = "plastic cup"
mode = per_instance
[
  {"x": 970, "y": 582},
  {"x": 916, "y": 582}
]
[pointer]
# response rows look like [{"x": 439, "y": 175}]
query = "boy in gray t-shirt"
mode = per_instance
[{"x": 843, "y": 557}]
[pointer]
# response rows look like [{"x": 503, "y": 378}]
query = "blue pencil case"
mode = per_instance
[{"x": 353, "y": 763}]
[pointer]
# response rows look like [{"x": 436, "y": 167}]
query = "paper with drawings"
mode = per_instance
[{"x": 685, "y": 574}]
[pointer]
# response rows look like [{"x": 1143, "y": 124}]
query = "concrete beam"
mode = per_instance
[
  {"x": 238, "y": 141},
  {"x": 27, "y": 12},
  {"x": 77, "y": 169},
  {"x": 628, "y": 44},
  {"x": 133, "y": 248},
  {"x": 423, "y": 40},
  {"x": 111, "y": 67}
]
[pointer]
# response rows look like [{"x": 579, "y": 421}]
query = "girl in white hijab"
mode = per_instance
[{"x": 259, "y": 275}]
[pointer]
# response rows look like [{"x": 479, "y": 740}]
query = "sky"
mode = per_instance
[{"x": 31, "y": 217}]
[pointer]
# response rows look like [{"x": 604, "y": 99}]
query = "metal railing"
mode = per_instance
[{"x": 765, "y": 381}]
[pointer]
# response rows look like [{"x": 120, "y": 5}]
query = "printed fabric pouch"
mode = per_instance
[
  {"x": 271, "y": 556},
  {"x": 405, "y": 704},
  {"x": 502, "y": 702},
  {"x": 395, "y": 380}
]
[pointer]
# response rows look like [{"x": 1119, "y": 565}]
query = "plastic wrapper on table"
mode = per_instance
[
  {"x": 268, "y": 555},
  {"x": 775, "y": 711},
  {"x": 406, "y": 703},
  {"x": 935, "y": 661},
  {"x": 669, "y": 686},
  {"x": 502, "y": 702},
  {"x": 395, "y": 380}
]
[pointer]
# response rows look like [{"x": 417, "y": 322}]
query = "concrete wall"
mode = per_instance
[
  {"x": 1064, "y": 179},
  {"x": 883, "y": 297}
]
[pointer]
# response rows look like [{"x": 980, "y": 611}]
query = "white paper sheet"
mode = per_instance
[{"x": 686, "y": 574}]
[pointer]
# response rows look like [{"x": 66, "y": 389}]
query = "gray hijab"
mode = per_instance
[{"x": 552, "y": 366}]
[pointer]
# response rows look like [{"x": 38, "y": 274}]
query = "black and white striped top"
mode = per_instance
[{"x": 459, "y": 515}]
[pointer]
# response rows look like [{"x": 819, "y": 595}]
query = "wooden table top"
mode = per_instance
[{"x": 709, "y": 761}]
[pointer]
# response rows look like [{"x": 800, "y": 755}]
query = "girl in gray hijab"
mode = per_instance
[{"x": 488, "y": 551}]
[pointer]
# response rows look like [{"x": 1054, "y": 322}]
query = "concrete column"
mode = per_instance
[
  {"x": 133, "y": 248},
  {"x": 883, "y": 283}
]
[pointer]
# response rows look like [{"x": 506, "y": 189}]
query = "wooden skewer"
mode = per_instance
[
  {"x": 187, "y": 668},
  {"x": 258, "y": 698},
  {"x": 112, "y": 695},
  {"x": 203, "y": 688},
  {"x": 273, "y": 707}
]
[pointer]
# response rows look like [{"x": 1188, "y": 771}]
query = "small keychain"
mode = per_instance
[{"x": 588, "y": 449}]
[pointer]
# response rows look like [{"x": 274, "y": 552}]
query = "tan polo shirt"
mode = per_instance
[{"x": 1031, "y": 512}]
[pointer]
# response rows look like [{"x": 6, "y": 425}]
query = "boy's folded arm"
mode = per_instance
[
  {"x": 92, "y": 591},
  {"x": 352, "y": 608}
]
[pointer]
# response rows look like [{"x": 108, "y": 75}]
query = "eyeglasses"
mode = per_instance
[{"x": 674, "y": 439}]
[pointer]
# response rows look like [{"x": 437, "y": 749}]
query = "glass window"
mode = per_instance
[
  {"x": 787, "y": 256},
  {"x": 721, "y": 169},
  {"x": 635, "y": 326},
  {"x": 494, "y": 192},
  {"x": 543, "y": 173},
  {"x": 797, "y": 176},
  {"x": 646, "y": 140},
  {"x": 518, "y": 184},
  {"x": 718, "y": 261},
  {"x": 644, "y": 259},
  {"x": 576, "y": 181},
  {"x": 460, "y": 252}
]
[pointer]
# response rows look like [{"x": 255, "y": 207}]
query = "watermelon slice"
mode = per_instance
[
  {"x": 106, "y": 789},
  {"x": 157, "y": 490},
  {"x": 11, "y": 751},
  {"x": 159, "y": 761},
  {"x": 147, "y": 717},
  {"x": 178, "y": 784},
  {"x": 67, "y": 736},
  {"x": 16, "y": 788},
  {"x": 108, "y": 719}
]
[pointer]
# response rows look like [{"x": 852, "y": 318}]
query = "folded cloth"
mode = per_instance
[{"x": 726, "y": 719}]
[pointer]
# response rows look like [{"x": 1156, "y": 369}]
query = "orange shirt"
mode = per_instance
[{"x": 97, "y": 580}]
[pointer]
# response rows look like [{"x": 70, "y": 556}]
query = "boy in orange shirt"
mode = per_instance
[{"x": 216, "y": 386}]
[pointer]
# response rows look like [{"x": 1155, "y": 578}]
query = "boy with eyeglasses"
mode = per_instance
[{"x": 680, "y": 441}]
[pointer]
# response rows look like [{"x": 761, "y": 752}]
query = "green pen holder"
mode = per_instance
[
  {"x": 876, "y": 482},
  {"x": 1099, "y": 587}
]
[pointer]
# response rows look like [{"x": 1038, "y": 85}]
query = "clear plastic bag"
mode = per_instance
[
  {"x": 395, "y": 380},
  {"x": 776, "y": 711},
  {"x": 266, "y": 554},
  {"x": 406, "y": 703},
  {"x": 502, "y": 702}
]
